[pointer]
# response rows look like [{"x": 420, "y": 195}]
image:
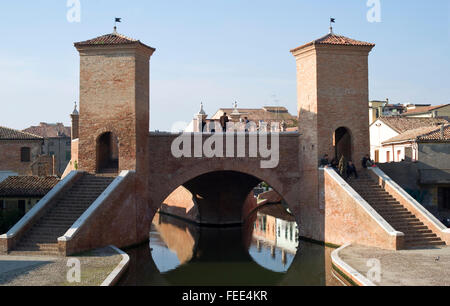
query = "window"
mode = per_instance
[
  {"x": 25, "y": 155},
  {"x": 52, "y": 153},
  {"x": 388, "y": 156},
  {"x": 377, "y": 156}
]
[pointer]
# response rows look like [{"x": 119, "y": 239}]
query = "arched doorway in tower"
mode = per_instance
[
  {"x": 342, "y": 142},
  {"x": 107, "y": 153}
]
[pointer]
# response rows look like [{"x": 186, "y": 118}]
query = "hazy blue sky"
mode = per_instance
[{"x": 215, "y": 51}]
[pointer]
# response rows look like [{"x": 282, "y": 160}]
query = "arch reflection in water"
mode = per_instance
[
  {"x": 172, "y": 242},
  {"x": 274, "y": 238},
  {"x": 270, "y": 238},
  {"x": 261, "y": 253}
]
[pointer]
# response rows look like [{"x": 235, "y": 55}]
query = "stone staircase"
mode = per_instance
[
  {"x": 43, "y": 236},
  {"x": 399, "y": 217}
]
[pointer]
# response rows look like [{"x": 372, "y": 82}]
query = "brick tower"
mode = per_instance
[
  {"x": 114, "y": 103},
  {"x": 332, "y": 85}
]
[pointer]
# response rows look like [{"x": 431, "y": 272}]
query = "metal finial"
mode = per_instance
[
  {"x": 75, "y": 111},
  {"x": 202, "y": 111}
]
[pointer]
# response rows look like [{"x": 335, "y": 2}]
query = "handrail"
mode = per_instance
[
  {"x": 82, "y": 220},
  {"x": 429, "y": 216},
  {"x": 363, "y": 203}
]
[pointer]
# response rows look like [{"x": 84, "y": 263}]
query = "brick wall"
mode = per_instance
[
  {"x": 114, "y": 98},
  {"x": 10, "y": 158}
]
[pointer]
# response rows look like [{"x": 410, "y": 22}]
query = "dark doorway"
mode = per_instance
[
  {"x": 342, "y": 144},
  {"x": 107, "y": 153},
  {"x": 21, "y": 207},
  {"x": 444, "y": 198}
]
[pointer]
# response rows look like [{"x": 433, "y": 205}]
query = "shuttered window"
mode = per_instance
[{"x": 25, "y": 155}]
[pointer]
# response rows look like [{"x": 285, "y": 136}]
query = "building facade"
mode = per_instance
[
  {"x": 385, "y": 128},
  {"x": 19, "y": 151},
  {"x": 426, "y": 176},
  {"x": 57, "y": 143},
  {"x": 278, "y": 117},
  {"x": 21, "y": 193},
  {"x": 428, "y": 111}
]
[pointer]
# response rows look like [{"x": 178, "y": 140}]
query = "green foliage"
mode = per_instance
[
  {"x": 7, "y": 219},
  {"x": 265, "y": 186},
  {"x": 76, "y": 165}
]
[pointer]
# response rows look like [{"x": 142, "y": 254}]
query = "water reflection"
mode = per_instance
[
  {"x": 274, "y": 239},
  {"x": 265, "y": 251}
]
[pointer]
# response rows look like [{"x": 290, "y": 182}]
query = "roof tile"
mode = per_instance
[
  {"x": 49, "y": 130},
  {"x": 333, "y": 39},
  {"x": 110, "y": 39},
  {"x": 11, "y": 134},
  {"x": 402, "y": 124},
  {"x": 27, "y": 186},
  {"x": 429, "y": 133}
]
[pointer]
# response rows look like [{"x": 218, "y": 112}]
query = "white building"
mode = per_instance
[{"x": 386, "y": 128}]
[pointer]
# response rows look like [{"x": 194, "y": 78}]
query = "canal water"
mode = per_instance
[{"x": 265, "y": 251}]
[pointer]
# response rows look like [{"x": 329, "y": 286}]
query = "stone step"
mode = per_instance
[
  {"x": 47, "y": 232},
  {"x": 420, "y": 235},
  {"x": 37, "y": 246},
  {"x": 402, "y": 224},
  {"x": 392, "y": 210},
  {"x": 424, "y": 244},
  {"x": 409, "y": 231},
  {"x": 35, "y": 240},
  {"x": 405, "y": 228},
  {"x": 422, "y": 239},
  {"x": 378, "y": 197},
  {"x": 65, "y": 214},
  {"x": 37, "y": 235},
  {"x": 399, "y": 215}
]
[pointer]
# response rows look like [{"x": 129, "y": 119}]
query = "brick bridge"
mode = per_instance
[
  {"x": 111, "y": 139},
  {"x": 221, "y": 184}
]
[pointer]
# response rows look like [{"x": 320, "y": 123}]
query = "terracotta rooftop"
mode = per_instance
[
  {"x": 27, "y": 186},
  {"x": 333, "y": 39},
  {"x": 111, "y": 39},
  {"x": 424, "y": 109},
  {"x": 424, "y": 134},
  {"x": 11, "y": 134},
  {"x": 402, "y": 124},
  {"x": 47, "y": 130}
]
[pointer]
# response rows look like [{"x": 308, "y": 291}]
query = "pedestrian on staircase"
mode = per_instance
[
  {"x": 367, "y": 162},
  {"x": 342, "y": 166},
  {"x": 351, "y": 169}
]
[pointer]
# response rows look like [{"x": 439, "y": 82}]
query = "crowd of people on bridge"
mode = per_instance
[{"x": 346, "y": 168}]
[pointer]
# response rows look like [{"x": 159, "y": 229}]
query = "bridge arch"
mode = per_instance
[{"x": 193, "y": 177}]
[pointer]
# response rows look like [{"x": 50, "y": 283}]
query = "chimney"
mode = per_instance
[
  {"x": 442, "y": 131},
  {"x": 75, "y": 122}
]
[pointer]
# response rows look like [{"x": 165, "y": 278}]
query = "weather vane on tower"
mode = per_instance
[
  {"x": 115, "y": 23},
  {"x": 332, "y": 20}
]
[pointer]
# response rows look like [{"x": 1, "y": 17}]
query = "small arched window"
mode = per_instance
[{"x": 25, "y": 154}]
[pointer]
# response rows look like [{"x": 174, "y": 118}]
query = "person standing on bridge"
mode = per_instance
[
  {"x": 223, "y": 122},
  {"x": 324, "y": 161}
]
